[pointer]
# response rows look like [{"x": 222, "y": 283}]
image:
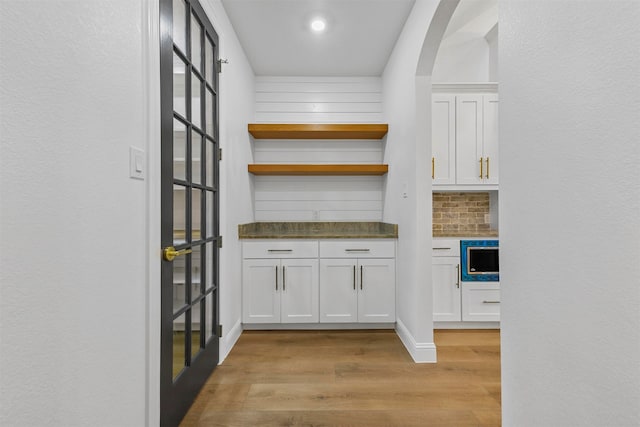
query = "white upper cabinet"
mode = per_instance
[
  {"x": 490, "y": 138},
  {"x": 465, "y": 140},
  {"x": 443, "y": 161},
  {"x": 469, "y": 153}
]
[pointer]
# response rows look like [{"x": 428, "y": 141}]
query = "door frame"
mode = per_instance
[{"x": 150, "y": 28}]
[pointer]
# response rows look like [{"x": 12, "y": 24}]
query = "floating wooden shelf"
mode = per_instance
[
  {"x": 317, "y": 131},
  {"x": 300, "y": 169}
]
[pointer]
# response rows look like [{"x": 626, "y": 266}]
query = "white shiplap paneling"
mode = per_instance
[
  {"x": 318, "y": 151},
  {"x": 318, "y": 100},
  {"x": 308, "y": 198}
]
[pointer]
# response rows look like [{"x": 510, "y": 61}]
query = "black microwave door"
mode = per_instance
[{"x": 483, "y": 261}]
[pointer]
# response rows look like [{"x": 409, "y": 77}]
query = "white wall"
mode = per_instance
[
  {"x": 236, "y": 111},
  {"x": 569, "y": 226},
  {"x": 325, "y": 99},
  {"x": 408, "y": 151},
  {"x": 73, "y": 224},
  {"x": 466, "y": 52},
  {"x": 79, "y": 306},
  {"x": 492, "y": 39},
  {"x": 462, "y": 57}
]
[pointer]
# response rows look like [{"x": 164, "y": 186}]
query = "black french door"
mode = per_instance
[{"x": 189, "y": 205}]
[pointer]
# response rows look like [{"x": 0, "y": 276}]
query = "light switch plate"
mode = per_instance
[{"x": 136, "y": 163}]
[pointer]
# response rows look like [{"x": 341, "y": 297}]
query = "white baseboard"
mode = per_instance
[
  {"x": 420, "y": 352},
  {"x": 466, "y": 325},
  {"x": 229, "y": 339},
  {"x": 314, "y": 326}
]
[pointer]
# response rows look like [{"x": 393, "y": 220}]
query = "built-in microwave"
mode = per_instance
[{"x": 479, "y": 260}]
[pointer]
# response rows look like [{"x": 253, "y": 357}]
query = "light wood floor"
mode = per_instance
[{"x": 352, "y": 378}]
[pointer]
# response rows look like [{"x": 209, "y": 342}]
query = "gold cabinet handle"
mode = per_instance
[
  {"x": 458, "y": 276},
  {"x": 481, "y": 167},
  {"x": 169, "y": 253},
  {"x": 487, "y": 176},
  {"x": 276, "y": 277},
  {"x": 361, "y": 278},
  {"x": 284, "y": 283},
  {"x": 433, "y": 168}
]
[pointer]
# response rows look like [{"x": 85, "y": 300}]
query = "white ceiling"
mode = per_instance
[{"x": 276, "y": 37}]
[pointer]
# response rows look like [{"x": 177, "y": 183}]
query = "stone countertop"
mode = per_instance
[
  {"x": 318, "y": 230},
  {"x": 474, "y": 235}
]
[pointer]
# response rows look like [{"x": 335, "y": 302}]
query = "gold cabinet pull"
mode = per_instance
[
  {"x": 361, "y": 278},
  {"x": 487, "y": 176},
  {"x": 169, "y": 253},
  {"x": 276, "y": 277},
  {"x": 481, "y": 167},
  {"x": 284, "y": 283},
  {"x": 433, "y": 168},
  {"x": 457, "y": 275}
]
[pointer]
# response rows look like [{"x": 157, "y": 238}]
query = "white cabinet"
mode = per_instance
[
  {"x": 481, "y": 302},
  {"x": 357, "y": 281},
  {"x": 476, "y": 139},
  {"x": 443, "y": 140},
  {"x": 357, "y": 290},
  {"x": 465, "y": 140},
  {"x": 457, "y": 301},
  {"x": 446, "y": 289},
  {"x": 280, "y": 288},
  {"x": 310, "y": 281}
]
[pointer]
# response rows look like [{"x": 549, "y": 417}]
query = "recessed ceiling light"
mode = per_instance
[{"x": 318, "y": 25}]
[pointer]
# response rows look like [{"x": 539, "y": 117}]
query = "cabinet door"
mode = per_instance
[
  {"x": 443, "y": 128},
  {"x": 469, "y": 139},
  {"x": 481, "y": 302},
  {"x": 377, "y": 290},
  {"x": 299, "y": 292},
  {"x": 490, "y": 138},
  {"x": 446, "y": 289},
  {"x": 261, "y": 291},
  {"x": 338, "y": 290}
]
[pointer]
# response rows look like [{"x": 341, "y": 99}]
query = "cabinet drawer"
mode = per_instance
[
  {"x": 280, "y": 249},
  {"x": 358, "y": 249},
  {"x": 446, "y": 247},
  {"x": 481, "y": 303}
]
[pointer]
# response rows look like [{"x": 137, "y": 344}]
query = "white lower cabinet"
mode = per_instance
[
  {"x": 446, "y": 289},
  {"x": 357, "y": 290},
  {"x": 280, "y": 291},
  {"x": 457, "y": 301},
  {"x": 481, "y": 302},
  {"x": 345, "y": 281},
  {"x": 280, "y": 282}
]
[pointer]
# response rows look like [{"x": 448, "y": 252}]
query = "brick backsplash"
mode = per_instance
[{"x": 460, "y": 213}]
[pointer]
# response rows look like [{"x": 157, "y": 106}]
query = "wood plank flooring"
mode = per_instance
[{"x": 352, "y": 378}]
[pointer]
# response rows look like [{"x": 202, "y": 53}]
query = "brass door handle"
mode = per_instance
[
  {"x": 433, "y": 168},
  {"x": 487, "y": 176},
  {"x": 169, "y": 253},
  {"x": 480, "y": 167}
]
